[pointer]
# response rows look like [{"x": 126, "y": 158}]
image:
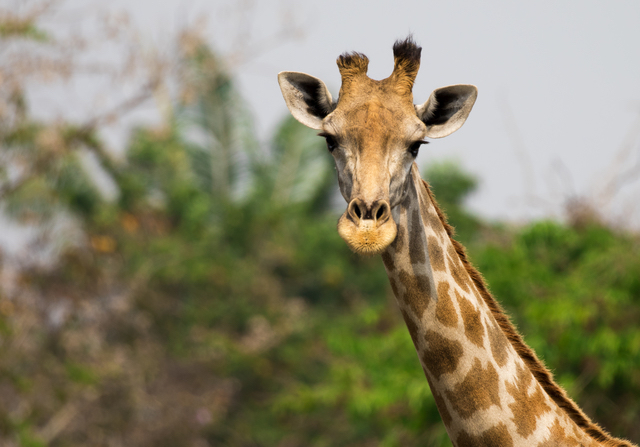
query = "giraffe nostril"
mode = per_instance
[
  {"x": 356, "y": 209},
  {"x": 381, "y": 210}
]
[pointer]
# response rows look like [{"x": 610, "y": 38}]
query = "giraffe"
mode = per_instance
[{"x": 488, "y": 385}]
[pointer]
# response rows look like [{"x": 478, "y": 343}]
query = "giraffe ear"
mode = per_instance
[
  {"x": 447, "y": 109},
  {"x": 308, "y": 99}
]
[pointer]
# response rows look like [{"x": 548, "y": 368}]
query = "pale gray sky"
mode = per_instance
[{"x": 559, "y": 81}]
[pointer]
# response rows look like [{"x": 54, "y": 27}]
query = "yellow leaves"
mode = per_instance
[
  {"x": 103, "y": 244},
  {"x": 129, "y": 223},
  {"x": 108, "y": 244}
]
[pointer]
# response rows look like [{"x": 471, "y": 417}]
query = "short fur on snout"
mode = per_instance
[{"x": 365, "y": 238}]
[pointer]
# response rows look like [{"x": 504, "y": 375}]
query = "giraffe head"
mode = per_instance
[{"x": 374, "y": 132}]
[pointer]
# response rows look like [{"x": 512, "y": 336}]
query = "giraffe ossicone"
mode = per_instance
[{"x": 489, "y": 386}]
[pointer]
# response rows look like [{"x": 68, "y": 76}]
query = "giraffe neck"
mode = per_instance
[{"x": 485, "y": 389}]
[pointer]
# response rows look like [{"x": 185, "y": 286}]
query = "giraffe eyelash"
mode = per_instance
[
  {"x": 415, "y": 147},
  {"x": 331, "y": 141}
]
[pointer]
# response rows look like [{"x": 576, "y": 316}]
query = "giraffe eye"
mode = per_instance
[
  {"x": 331, "y": 141},
  {"x": 415, "y": 147}
]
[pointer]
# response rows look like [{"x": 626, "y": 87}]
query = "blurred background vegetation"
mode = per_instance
[{"x": 204, "y": 298}]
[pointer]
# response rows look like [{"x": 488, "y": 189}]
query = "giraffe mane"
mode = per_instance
[{"x": 535, "y": 365}]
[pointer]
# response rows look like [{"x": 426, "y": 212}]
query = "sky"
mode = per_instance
[{"x": 558, "y": 111}]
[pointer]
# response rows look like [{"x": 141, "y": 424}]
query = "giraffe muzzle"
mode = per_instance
[{"x": 367, "y": 228}]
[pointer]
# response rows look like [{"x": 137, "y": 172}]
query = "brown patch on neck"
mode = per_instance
[
  {"x": 400, "y": 239},
  {"x": 458, "y": 272},
  {"x": 416, "y": 294},
  {"x": 445, "y": 311},
  {"x": 387, "y": 259},
  {"x": 473, "y": 327},
  {"x": 459, "y": 276},
  {"x": 416, "y": 252},
  {"x": 442, "y": 354},
  {"x": 541, "y": 374},
  {"x": 526, "y": 409},
  {"x": 478, "y": 391},
  {"x": 498, "y": 435},
  {"x": 436, "y": 257}
]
